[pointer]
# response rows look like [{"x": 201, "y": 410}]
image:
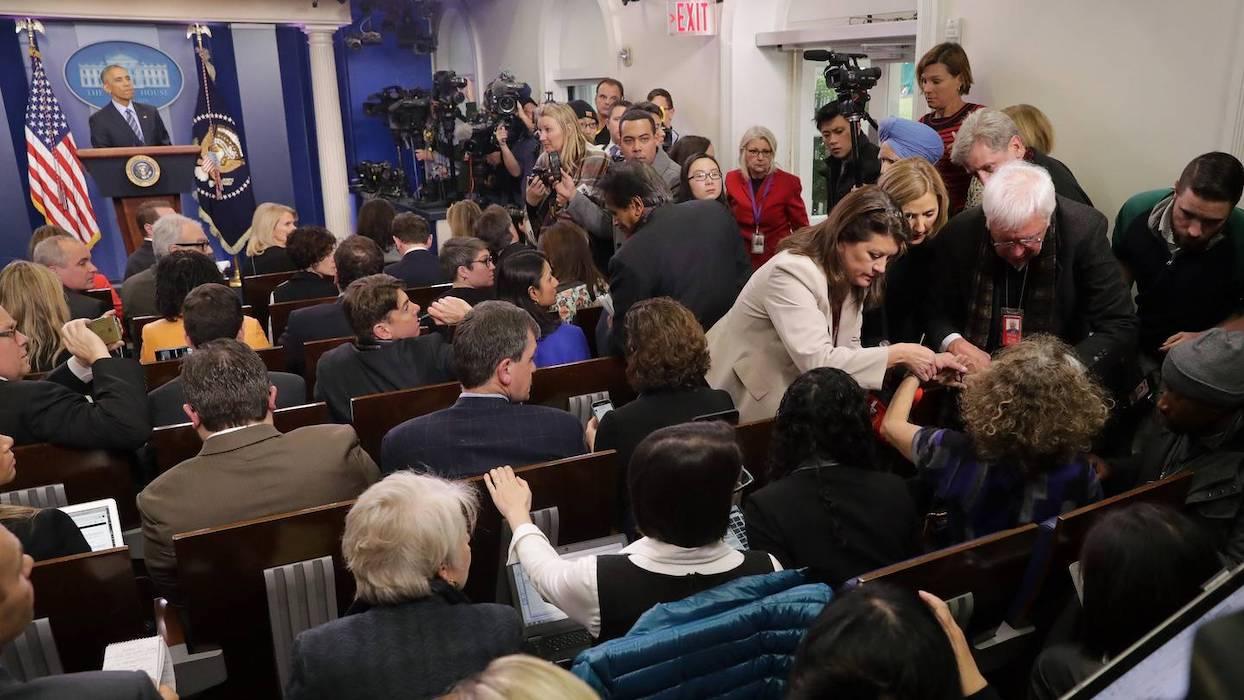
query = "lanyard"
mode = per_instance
[{"x": 758, "y": 202}]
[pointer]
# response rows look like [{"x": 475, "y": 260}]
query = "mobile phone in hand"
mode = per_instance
[
  {"x": 108, "y": 328},
  {"x": 600, "y": 408}
]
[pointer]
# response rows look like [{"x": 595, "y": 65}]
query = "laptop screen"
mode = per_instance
[
  {"x": 534, "y": 609},
  {"x": 98, "y": 523},
  {"x": 1157, "y": 666}
]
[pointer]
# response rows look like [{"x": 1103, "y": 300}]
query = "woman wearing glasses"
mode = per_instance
[
  {"x": 701, "y": 178},
  {"x": 804, "y": 309},
  {"x": 765, "y": 200}
]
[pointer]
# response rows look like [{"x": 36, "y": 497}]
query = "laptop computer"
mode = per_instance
[
  {"x": 98, "y": 522},
  {"x": 547, "y": 631},
  {"x": 1157, "y": 666}
]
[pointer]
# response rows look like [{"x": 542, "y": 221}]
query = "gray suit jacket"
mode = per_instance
[
  {"x": 89, "y": 685},
  {"x": 138, "y": 294},
  {"x": 249, "y": 473},
  {"x": 667, "y": 169}
]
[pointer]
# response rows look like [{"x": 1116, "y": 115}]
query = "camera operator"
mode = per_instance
[
  {"x": 839, "y": 165},
  {"x": 568, "y": 190}
]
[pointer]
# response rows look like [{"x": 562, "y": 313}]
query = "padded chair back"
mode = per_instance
[
  {"x": 300, "y": 596},
  {"x": 50, "y": 496},
  {"x": 33, "y": 653}
]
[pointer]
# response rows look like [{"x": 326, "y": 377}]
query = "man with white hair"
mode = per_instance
[
  {"x": 170, "y": 232},
  {"x": 1028, "y": 261},
  {"x": 989, "y": 139}
]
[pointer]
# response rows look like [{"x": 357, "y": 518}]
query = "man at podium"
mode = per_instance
[{"x": 124, "y": 122}]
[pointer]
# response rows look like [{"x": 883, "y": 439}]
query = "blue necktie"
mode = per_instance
[{"x": 133, "y": 122}]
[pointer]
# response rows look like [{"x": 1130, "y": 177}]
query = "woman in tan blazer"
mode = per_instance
[{"x": 804, "y": 308}]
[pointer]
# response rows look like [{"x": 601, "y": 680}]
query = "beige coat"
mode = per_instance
[{"x": 779, "y": 328}]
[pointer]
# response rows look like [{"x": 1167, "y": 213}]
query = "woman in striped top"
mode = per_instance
[{"x": 945, "y": 77}]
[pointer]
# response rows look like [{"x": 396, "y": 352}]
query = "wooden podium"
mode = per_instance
[{"x": 132, "y": 176}]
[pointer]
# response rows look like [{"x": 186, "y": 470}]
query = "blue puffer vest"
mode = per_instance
[{"x": 734, "y": 641}]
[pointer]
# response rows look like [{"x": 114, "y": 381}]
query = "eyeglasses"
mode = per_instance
[
  {"x": 201, "y": 245},
  {"x": 489, "y": 261},
  {"x": 10, "y": 333},
  {"x": 701, "y": 176},
  {"x": 1033, "y": 242},
  {"x": 759, "y": 153}
]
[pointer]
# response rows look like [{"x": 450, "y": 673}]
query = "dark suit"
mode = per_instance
[
  {"x": 249, "y": 473},
  {"x": 82, "y": 306},
  {"x": 350, "y": 370},
  {"x": 418, "y": 268},
  {"x": 1092, "y": 308},
  {"x": 319, "y": 322},
  {"x": 691, "y": 252},
  {"x": 273, "y": 259},
  {"x": 142, "y": 258},
  {"x": 414, "y": 649},
  {"x": 110, "y": 130},
  {"x": 56, "y": 410},
  {"x": 138, "y": 294},
  {"x": 479, "y": 433},
  {"x": 840, "y": 523},
  {"x": 165, "y": 401},
  {"x": 88, "y": 685},
  {"x": 304, "y": 285}
]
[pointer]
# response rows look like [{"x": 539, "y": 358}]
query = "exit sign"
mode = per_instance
[{"x": 692, "y": 18}]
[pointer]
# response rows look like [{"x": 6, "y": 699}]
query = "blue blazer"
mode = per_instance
[
  {"x": 479, "y": 433},
  {"x": 566, "y": 344},
  {"x": 418, "y": 268}
]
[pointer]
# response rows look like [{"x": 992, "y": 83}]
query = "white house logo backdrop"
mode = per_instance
[{"x": 157, "y": 77}]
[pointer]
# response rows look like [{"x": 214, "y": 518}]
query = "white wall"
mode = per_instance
[{"x": 1135, "y": 89}]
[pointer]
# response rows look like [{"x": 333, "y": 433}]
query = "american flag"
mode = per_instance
[{"x": 57, "y": 184}]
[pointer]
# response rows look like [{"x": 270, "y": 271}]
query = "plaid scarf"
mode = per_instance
[{"x": 1039, "y": 307}]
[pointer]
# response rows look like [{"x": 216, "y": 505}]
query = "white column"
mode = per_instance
[{"x": 328, "y": 134}]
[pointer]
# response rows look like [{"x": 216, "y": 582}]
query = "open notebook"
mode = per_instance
[{"x": 149, "y": 655}]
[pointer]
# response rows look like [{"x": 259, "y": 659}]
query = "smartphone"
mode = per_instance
[
  {"x": 171, "y": 354},
  {"x": 600, "y": 408},
  {"x": 108, "y": 328}
]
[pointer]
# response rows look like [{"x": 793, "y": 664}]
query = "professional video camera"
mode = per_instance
[
  {"x": 850, "y": 84},
  {"x": 407, "y": 111},
  {"x": 379, "y": 178}
]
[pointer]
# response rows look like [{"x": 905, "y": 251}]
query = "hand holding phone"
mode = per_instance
[
  {"x": 107, "y": 327},
  {"x": 600, "y": 408}
]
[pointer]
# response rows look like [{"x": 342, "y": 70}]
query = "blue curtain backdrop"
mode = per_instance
[{"x": 279, "y": 124}]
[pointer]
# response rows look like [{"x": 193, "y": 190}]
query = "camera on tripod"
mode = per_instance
[
  {"x": 406, "y": 110},
  {"x": 380, "y": 179},
  {"x": 850, "y": 84},
  {"x": 502, "y": 99}
]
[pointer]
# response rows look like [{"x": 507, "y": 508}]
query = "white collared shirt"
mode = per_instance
[{"x": 572, "y": 587}]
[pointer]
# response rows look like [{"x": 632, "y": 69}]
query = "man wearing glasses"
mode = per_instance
[
  {"x": 171, "y": 232},
  {"x": 1028, "y": 261},
  {"x": 55, "y": 410}
]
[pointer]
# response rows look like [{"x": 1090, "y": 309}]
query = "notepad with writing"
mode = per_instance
[{"x": 149, "y": 655}]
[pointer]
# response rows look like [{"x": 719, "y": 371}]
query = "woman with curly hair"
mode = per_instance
[
  {"x": 33, "y": 295},
  {"x": 828, "y": 506},
  {"x": 666, "y": 359},
  {"x": 311, "y": 250},
  {"x": 1029, "y": 419},
  {"x": 177, "y": 274}
]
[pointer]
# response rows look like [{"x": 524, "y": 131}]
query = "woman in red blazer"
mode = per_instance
[{"x": 767, "y": 202}]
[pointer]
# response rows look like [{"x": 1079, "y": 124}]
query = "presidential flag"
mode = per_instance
[
  {"x": 57, "y": 183},
  {"x": 222, "y": 179}
]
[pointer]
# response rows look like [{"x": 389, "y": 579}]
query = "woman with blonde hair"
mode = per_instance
[
  {"x": 265, "y": 249},
  {"x": 917, "y": 188},
  {"x": 33, "y": 295},
  {"x": 1034, "y": 127},
  {"x": 766, "y": 200},
  {"x": 574, "y": 189},
  {"x": 411, "y": 633},
  {"x": 521, "y": 677},
  {"x": 462, "y": 216},
  {"x": 1029, "y": 419},
  {"x": 804, "y": 309}
]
